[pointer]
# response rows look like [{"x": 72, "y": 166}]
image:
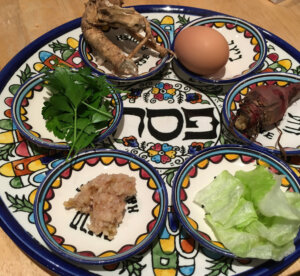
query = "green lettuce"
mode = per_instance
[{"x": 250, "y": 214}]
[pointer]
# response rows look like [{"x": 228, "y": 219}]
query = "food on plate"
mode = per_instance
[
  {"x": 104, "y": 199},
  {"x": 77, "y": 107},
  {"x": 263, "y": 107},
  {"x": 201, "y": 50},
  {"x": 110, "y": 13},
  {"x": 250, "y": 214}
]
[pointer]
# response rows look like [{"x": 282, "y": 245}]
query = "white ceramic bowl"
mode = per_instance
[
  {"x": 268, "y": 139},
  {"x": 247, "y": 50},
  {"x": 148, "y": 61},
  {"x": 199, "y": 171}
]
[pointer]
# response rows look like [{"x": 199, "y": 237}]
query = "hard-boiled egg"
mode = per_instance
[{"x": 201, "y": 49}]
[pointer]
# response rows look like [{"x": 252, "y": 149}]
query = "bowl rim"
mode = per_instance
[
  {"x": 138, "y": 247},
  {"x": 166, "y": 59},
  {"x": 204, "y": 154},
  {"x": 259, "y": 34},
  {"x": 234, "y": 90},
  {"x": 16, "y": 115}
]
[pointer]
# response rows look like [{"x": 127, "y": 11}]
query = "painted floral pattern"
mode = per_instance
[
  {"x": 161, "y": 153},
  {"x": 163, "y": 91}
]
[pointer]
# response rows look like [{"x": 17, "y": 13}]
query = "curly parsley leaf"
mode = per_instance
[{"x": 77, "y": 107}]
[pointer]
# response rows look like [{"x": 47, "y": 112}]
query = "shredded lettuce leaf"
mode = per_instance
[{"x": 250, "y": 214}]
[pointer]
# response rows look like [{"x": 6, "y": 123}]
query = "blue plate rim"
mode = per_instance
[
  {"x": 9, "y": 223},
  {"x": 54, "y": 173}
]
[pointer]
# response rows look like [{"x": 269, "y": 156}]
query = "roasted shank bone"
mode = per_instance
[{"x": 110, "y": 13}]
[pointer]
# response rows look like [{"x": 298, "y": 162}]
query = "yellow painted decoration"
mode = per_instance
[
  {"x": 254, "y": 41},
  {"x": 46, "y": 206},
  {"x": 240, "y": 29},
  {"x": 284, "y": 182},
  {"x": 282, "y": 83},
  {"x": 244, "y": 91},
  {"x": 78, "y": 166},
  {"x": 218, "y": 244},
  {"x": 72, "y": 42},
  {"x": 29, "y": 94},
  {"x": 193, "y": 223},
  {"x": 34, "y": 133},
  {"x": 50, "y": 229},
  {"x": 32, "y": 196},
  {"x": 261, "y": 83},
  {"x": 24, "y": 118},
  {"x": 141, "y": 238},
  {"x": 22, "y": 110},
  {"x": 167, "y": 20},
  {"x": 219, "y": 24},
  {"x": 231, "y": 156},
  {"x": 156, "y": 211},
  {"x": 152, "y": 152},
  {"x": 168, "y": 245},
  {"x": 108, "y": 254},
  {"x": 152, "y": 184},
  {"x": 202, "y": 164},
  {"x": 134, "y": 166},
  {"x": 286, "y": 63},
  {"x": 56, "y": 183},
  {"x": 69, "y": 247},
  {"x": 185, "y": 182},
  {"x": 6, "y": 137},
  {"x": 296, "y": 171},
  {"x": 158, "y": 39},
  {"x": 171, "y": 153},
  {"x": 262, "y": 163},
  {"x": 256, "y": 57},
  {"x": 233, "y": 106},
  {"x": 165, "y": 272},
  {"x": 155, "y": 90},
  {"x": 36, "y": 165},
  {"x": 107, "y": 160},
  {"x": 38, "y": 66},
  {"x": 7, "y": 170}
]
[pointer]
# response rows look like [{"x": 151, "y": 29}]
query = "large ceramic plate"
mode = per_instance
[{"x": 146, "y": 131}]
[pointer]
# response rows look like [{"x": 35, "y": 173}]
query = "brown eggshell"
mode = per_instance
[{"x": 201, "y": 50}]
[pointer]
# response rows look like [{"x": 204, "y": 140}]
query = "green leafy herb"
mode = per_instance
[{"x": 78, "y": 106}]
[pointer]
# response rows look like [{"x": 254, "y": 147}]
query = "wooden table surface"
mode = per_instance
[{"x": 22, "y": 21}]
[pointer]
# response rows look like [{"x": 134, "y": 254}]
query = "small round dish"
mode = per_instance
[
  {"x": 268, "y": 140},
  {"x": 66, "y": 232},
  {"x": 148, "y": 61},
  {"x": 247, "y": 50},
  {"x": 27, "y": 116},
  {"x": 199, "y": 171}
]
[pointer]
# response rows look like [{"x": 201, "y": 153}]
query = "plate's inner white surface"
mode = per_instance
[{"x": 241, "y": 53}]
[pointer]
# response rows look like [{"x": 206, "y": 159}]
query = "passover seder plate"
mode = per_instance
[
  {"x": 164, "y": 145},
  {"x": 27, "y": 114},
  {"x": 145, "y": 212}
]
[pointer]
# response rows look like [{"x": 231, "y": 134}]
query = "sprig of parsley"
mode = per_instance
[{"x": 78, "y": 106}]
